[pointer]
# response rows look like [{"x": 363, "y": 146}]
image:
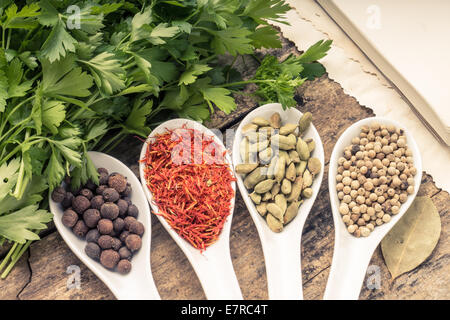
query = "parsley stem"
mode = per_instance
[
  {"x": 111, "y": 140},
  {"x": 207, "y": 59},
  {"x": 6, "y": 259},
  {"x": 231, "y": 66},
  {"x": 3, "y": 37},
  {"x": 123, "y": 39},
  {"x": 9, "y": 39},
  {"x": 19, "y": 252},
  {"x": 118, "y": 140}
]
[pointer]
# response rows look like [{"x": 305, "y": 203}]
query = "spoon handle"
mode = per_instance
[
  {"x": 283, "y": 268},
  {"x": 348, "y": 270},
  {"x": 216, "y": 274},
  {"x": 143, "y": 288}
]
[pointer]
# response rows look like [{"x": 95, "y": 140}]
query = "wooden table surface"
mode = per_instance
[{"x": 41, "y": 273}]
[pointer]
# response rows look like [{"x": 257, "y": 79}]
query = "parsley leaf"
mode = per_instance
[
  {"x": 261, "y": 10},
  {"x": 266, "y": 37},
  {"x": 232, "y": 40},
  {"x": 24, "y": 19},
  {"x": 14, "y": 72},
  {"x": 63, "y": 78},
  {"x": 8, "y": 176},
  {"x": 107, "y": 72},
  {"x": 162, "y": 31},
  {"x": 316, "y": 51},
  {"x": 17, "y": 226},
  {"x": 190, "y": 75},
  {"x": 220, "y": 97},
  {"x": 135, "y": 122},
  {"x": 53, "y": 113},
  {"x": 312, "y": 70},
  {"x": 58, "y": 43}
]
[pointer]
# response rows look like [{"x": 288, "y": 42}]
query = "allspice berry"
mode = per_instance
[
  {"x": 92, "y": 235},
  {"x": 123, "y": 207},
  {"x": 91, "y": 217},
  {"x": 91, "y": 185},
  {"x": 86, "y": 193},
  {"x": 67, "y": 202},
  {"x": 97, "y": 202},
  {"x": 100, "y": 189},
  {"x": 133, "y": 211},
  {"x": 118, "y": 182},
  {"x": 69, "y": 218},
  {"x": 58, "y": 194},
  {"x": 125, "y": 253},
  {"x": 111, "y": 195},
  {"x": 80, "y": 229},
  {"x": 124, "y": 266},
  {"x": 80, "y": 204},
  {"x": 127, "y": 191},
  {"x": 109, "y": 258},
  {"x": 116, "y": 244},
  {"x": 103, "y": 171},
  {"x": 109, "y": 210},
  {"x": 128, "y": 221},
  {"x": 133, "y": 242},
  {"x": 103, "y": 178},
  {"x": 124, "y": 235},
  {"x": 105, "y": 226},
  {"x": 105, "y": 241},
  {"x": 118, "y": 225},
  {"x": 92, "y": 250},
  {"x": 136, "y": 227}
]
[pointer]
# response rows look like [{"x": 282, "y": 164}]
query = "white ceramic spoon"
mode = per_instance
[
  {"x": 213, "y": 267},
  {"x": 281, "y": 250},
  {"x": 352, "y": 255},
  {"x": 138, "y": 284}
]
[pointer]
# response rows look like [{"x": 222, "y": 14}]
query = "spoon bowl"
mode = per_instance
[
  {"x": 352, "y": 255},
  {"x": 138, "y": 284},
  {"x": 213, "y": 266},
  {"x": 281, "y": 250}
]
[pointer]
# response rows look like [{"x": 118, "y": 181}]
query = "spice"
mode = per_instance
[
  {"x": 96, "y": 218},
  {"x": 289, "y": 168},
  {"x": 191, "y": 184},
  {"x": 374, "y": 177}
]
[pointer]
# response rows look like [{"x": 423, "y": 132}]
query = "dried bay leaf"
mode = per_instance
[{"x": 413, "y": 238}]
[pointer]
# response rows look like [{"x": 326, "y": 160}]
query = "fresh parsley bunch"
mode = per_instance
[{"x": 82, "y": 75}]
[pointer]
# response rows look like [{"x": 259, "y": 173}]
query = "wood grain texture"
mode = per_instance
[{"x": 42, "y": 275}]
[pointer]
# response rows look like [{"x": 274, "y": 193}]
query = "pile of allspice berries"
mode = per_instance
[
  {"x": 105, "y": 217},
  {"x": 375, "y": 175},
  {"x": 278, "y": 167}
]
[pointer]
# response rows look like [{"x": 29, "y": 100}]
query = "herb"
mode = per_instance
[
  {"x": 413, "y": 238},
  {"x": 71, "y": 83},
  {"x": 191, "y": 187}
]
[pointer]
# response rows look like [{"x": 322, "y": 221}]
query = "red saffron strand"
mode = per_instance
[{"x": 193, "y": 197}]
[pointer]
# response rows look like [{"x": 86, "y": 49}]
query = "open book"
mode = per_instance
[{"x": 409, "y": 41}]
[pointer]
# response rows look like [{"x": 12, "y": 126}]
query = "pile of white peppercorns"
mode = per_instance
[{"x": 375, "y": 175}]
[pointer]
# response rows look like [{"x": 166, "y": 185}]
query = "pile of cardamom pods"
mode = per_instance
[{"x": 278, "y": 167}]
